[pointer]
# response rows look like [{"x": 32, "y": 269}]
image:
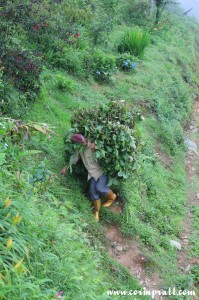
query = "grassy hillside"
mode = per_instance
[{"x": 50, "y": 241}]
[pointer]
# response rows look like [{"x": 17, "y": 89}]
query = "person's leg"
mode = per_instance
[
  {"x": 95, "y": 197},
  {"x": 101, "y": 185},
  {"x": 103, "y": 189}
]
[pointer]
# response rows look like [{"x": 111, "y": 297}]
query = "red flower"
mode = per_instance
[
  {"x": 76, "y": 35},
  {"x": 45, "y": 24},
  {"x": 1, "y": 14},
  {"x": 28, "y": 67}
]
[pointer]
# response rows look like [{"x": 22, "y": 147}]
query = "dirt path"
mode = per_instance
[
  {"x": 128, "y": 253},
  {"x": 185, "y": 261}
]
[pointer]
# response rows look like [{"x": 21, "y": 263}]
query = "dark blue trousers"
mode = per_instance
[{"x": 98, "y": 188}]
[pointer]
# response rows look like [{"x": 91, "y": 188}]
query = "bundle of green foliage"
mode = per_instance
[{"x": 117, "y": 141}]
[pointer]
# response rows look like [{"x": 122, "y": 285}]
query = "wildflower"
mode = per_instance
[
  {"x": 37, "y": 26},
  {"x": 1, "y": 14},
  {"x": 45, "y": 24},
  {"x": 76, "y": 35},
  {"x": 133, "y": 65},
  {"x": 97, "y": 72},
  {"x": 8, "y": 202},
  {"x": 9, "y": 242},
  {"x": 59, "y": 295},
  {"x": 125, "y": 64},
  {"x": 18, "y": 264},
  {"x": 16, "y": 219},
  {"x": 28, "y": 67}
]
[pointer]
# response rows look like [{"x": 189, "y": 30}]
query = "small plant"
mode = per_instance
[
  {"x": 63, "y": 83},
  {"x": 102, "y": 66},
  {"x": 134, "y": 41},
  {"x": 127, "y": 62}
]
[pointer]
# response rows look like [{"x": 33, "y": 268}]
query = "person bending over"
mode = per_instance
[{"x": 98, "y": 180}]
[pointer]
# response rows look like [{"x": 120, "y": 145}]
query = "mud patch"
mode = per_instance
[{"x": 127, "y": 252}]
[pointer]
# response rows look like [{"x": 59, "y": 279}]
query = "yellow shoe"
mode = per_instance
[
  {"x": 110, "y": 198},
  {"x": 97, "y": 206}
]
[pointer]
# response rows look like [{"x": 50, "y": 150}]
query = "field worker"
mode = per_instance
[{"x": 98, "y": 180}]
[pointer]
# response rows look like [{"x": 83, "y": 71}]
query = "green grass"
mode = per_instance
[{"x": 64, "y": 246}]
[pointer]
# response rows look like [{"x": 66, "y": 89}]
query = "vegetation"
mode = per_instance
[
  {"x": 63, "y": 56},
  {"x": 134, "y": 41},
  {"x": 117, "y": 142}
]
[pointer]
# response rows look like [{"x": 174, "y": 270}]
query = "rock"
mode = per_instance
[
  {"x": 195, "y": 130},
  {"x": 191, "y": 127},
  {"x": 197, "y": 195},
  {"x": 191, "y": 145},
  {"x": 119, "y": 248},
  {"x": 175, "y": 244},
  {"x": 187, "y": 269}
]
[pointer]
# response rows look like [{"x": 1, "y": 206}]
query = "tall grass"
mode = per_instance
[{"x": 134, "y": 41}]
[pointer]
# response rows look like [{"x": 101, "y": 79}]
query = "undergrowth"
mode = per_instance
[{"x": 56, "y": 245}]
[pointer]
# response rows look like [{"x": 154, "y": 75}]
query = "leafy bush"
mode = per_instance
[
  {"x": 24, "y": 70},
  {"x": 1, "y": 75},
  {"x": 134, "y": 41},
  {"x": 63, "y": 83},
  {"x": 134, "y": 12},
  {"x": 126, "y": 62},
  {"x": 117, "y": 142},
  {"x": 102, "y": 66}
]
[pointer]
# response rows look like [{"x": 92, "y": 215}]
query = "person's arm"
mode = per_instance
[
  {"x": 63, "y": 171},
  {"x": 92, "y": 146},
  {"x": 73, "y": 160}
]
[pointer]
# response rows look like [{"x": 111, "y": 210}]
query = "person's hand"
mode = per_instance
[
  {"x": 63, "y": 171},
  {"x": 92, "y": 146}
]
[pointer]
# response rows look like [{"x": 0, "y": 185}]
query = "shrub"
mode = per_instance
[
  {"x": 24, "y": 70},
  {"x": 63, "y": 83},
  {"x": 134, "y": 41},
  {"x": 126, "y": 62},
  {"x": 102, "y": 66},
  {"x": 116, "y": 139},
  {"x": 134, "y": 12},
  {"x": 1, "y": 81}
]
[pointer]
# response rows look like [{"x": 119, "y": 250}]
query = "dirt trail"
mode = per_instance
[
  {"x": 185, "y": 261},
  {"x": 128, "y": 253}
]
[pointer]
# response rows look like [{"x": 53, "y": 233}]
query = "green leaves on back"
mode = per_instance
[{"x": 113, "y": 130}]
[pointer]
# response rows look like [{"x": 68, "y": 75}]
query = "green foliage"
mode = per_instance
[
  {"x": 102, "y": 66},
  {"x": 24, "y": 70},
  {"x": 134, "y": 41},
  {"x": 117, "y": 141},
  {"x": 135, "y": 12},
  {"x": 64, "y": 84},
  {"x": 1, "y": 82},
  {"x": 127, "y": 62}
]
